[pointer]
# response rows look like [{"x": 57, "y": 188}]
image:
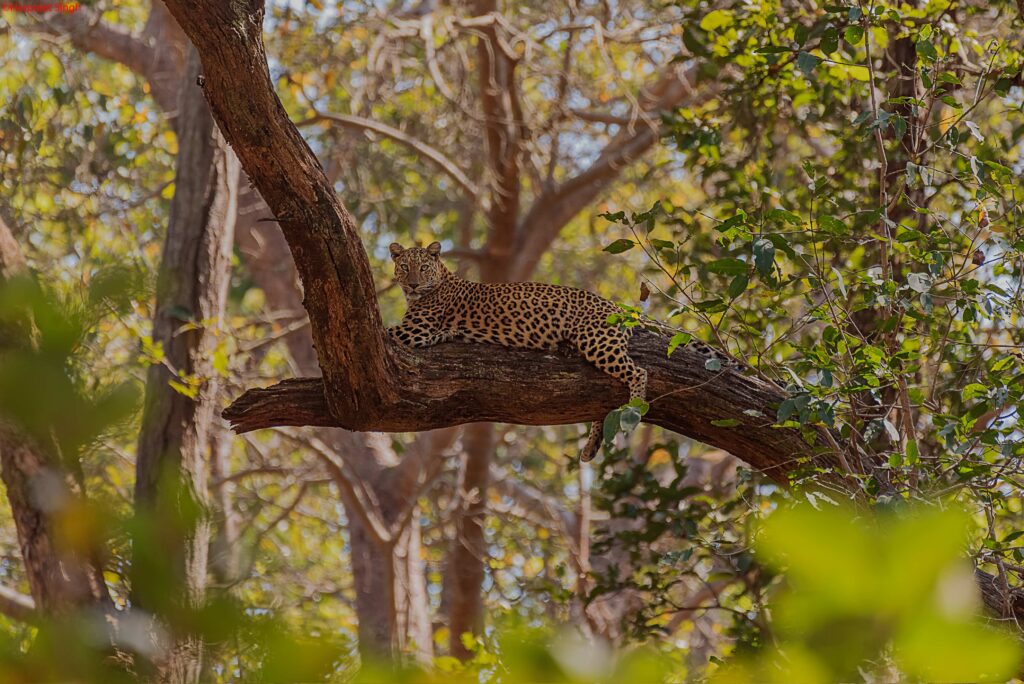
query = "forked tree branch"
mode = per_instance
[{"x": 554, "y": 208}]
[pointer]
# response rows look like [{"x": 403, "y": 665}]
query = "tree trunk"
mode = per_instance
[
  {"x": 170, "y": 554},
  {"x": 384, "y": 539},
  {"x": 391, "y": 592},
  {"x": 464, "y": 574},
  {"x": 40, "y": 489}
]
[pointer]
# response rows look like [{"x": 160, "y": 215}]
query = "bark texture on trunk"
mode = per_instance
[{"x": 175, "y": 436}]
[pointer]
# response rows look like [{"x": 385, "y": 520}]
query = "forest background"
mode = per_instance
[{"x": 830, "y": 192}]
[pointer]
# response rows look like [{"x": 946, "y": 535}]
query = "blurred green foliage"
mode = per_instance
[{"x": 871, "y": 596}]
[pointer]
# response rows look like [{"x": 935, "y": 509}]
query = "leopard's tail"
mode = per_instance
[{"x": 593, "y": 442}]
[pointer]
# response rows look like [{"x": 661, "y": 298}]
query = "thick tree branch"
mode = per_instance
[
  {"x": 339, "y": 292},
  {"x": 461, "y": 383}
]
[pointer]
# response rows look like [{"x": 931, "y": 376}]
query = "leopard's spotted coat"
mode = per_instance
[{"x": 445, "y": 307}]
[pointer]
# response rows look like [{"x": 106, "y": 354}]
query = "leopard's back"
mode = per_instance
[{"x": 531, "y": 315}]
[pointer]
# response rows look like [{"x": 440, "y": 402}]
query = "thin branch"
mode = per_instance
[
  {"x": 365, "y": 506},
  {"x": 421, "y": 148},
  {"x": 17, "y": 606}
]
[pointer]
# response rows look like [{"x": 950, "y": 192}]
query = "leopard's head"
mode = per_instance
[{"x": 418, "y": 270}]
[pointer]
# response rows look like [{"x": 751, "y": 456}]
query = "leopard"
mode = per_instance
[{"x": 444, "y": 307}]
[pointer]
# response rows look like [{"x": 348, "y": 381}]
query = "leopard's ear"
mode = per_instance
[
  {"x": 395, "y": 249},
  {"x": 434, "y": 248}
]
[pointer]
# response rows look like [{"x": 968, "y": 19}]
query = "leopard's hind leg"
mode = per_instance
[{"x": 608, "y": 349}]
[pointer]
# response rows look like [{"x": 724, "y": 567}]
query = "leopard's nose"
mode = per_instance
[{"x": 413, "y": 286}]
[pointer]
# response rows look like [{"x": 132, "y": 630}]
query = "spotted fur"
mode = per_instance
[{"x": 445, "y": 307}]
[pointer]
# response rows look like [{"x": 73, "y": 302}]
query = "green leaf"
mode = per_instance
[
  {"x": 713, "y": 305},
  {"x": 716, "y": 20},
  {"x": 786, "y": 216},
  {"x": 677, "y": 340},
  {"x": 640, "y": 405},
  {"x": 786, "y": 409},
  {"x": 611, "y": 426},
  {"x": 899, "y": 127},
  {"x": 728, "y": 266},
  {"x": 738, "y": 285},
  {"x": 854, "y": 35},
  {"x": 926, "y": 51},
  {"x": 764, "y": 256},
  {"x": 912, "y": 454},
  {"x": 806, "y": 62},
  {"x": 714, "y": 365},
  {"x": 1002, "y": 364},
  {"x": 629, "y": 419},
  {"x": 950, "y": 77},
  {"x": 619, "y": 246},
  {"x": 973, "y": 391},
  {"x": 739, "y": 219},
  {"x": 726, "y": 422},
  {"x": 830, "y": 40},
  {"x": 830, "y": 224}
]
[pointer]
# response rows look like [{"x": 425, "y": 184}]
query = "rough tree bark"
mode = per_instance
[
  {"x": 40, "y": 485},
  {"x": 369, "y": 384},
  {"x": 175, "y": 436}
]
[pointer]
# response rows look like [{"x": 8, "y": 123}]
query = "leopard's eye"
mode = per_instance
[
  {"x": 423, "y": 268},
  {"x": 404, "y": 268}
]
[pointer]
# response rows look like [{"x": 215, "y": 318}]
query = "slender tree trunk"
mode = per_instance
[
  {"x": 225, "y": 560},
  {"x": 170, "y": 556},
  {"x": 391, "y": 592},
  {"x": 40, "y": 488},
  {"x": 464, "y": 575}
]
